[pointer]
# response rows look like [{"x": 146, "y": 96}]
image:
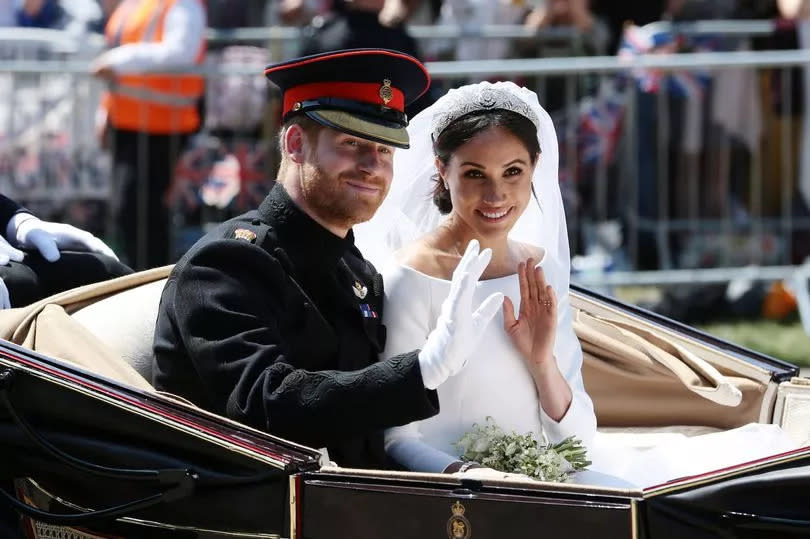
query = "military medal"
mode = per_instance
[
  {"x": 367, "y": 311},
  {"x": 359, "y": 290}
]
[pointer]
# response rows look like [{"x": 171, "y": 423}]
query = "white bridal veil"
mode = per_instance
[{"x": 408, "y": 211}]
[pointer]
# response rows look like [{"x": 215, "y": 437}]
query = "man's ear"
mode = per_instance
[{"x": 295, "y": 143}]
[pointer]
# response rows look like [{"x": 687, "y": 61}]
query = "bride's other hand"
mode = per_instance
[
  {"x": 534, "y": 330},
  {"x": 533, "y": 334}
]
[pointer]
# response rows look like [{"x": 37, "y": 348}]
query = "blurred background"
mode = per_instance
[{"x": 685, "y": 154}]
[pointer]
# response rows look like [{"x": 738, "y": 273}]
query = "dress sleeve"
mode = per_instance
[
  {"x": 409, "y": 321},
  {"x": 404, "y": 445},
  {"x": 407, "y": 308},
  {"x": 579, "y": 420},
  {"x": 230, "y": 306}
]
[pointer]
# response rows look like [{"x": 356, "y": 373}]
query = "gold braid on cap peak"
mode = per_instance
[{"x": 483, "y": 96}]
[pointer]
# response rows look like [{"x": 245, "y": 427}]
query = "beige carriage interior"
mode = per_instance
[{"x": 643, "y": 378}]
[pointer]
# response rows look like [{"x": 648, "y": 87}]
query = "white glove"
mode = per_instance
[
  {"x": 458, "y": 328},
  {"x": 5, "y": 301},
  {"x": 48, "y": 238},
  {"x": 9, "y": 253}
]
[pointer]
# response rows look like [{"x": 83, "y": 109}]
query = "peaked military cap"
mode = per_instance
[{"x": 362, "y": 92}]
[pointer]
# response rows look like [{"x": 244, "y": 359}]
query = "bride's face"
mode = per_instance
[{"x": 489, "y": 179}]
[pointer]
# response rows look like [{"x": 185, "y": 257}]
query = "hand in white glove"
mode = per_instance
[
  {"x": 459, "y": 326},
  {"x": 5, "y": 301},
  {"x": 9, "y": 253},
  {"x": 48, "y": 238}
]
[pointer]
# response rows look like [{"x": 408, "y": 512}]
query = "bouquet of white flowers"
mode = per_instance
[{"x": 490, "y": 446}]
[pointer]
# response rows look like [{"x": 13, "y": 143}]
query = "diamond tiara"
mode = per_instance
[{"x": 479, "y": 97}]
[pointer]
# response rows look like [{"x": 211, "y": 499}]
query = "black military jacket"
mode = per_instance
[
  {"x": 7, "y": 210},
  {"x": 273, "y": 321}
]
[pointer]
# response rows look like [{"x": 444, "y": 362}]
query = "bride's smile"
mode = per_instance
[{"x": 495, "y": 216}]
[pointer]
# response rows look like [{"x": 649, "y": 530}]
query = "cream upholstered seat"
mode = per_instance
[
  {"x": 125, "y": 322},
  {"x": 646, "y": 384}
]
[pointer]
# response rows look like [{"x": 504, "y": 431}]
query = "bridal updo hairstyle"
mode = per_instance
[{"x": 465, "y": 128}]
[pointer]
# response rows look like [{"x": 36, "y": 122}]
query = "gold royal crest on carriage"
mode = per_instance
[{"x": 458, "y": 527}]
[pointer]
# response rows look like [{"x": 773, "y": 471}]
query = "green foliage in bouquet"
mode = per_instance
[{"x": 490, "y": 446}]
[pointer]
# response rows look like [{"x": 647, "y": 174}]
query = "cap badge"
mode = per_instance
[
  {"x": 386, "y": 92},
  {"x": 244, "y": 234},
  {"x": 359, "y": 290}
]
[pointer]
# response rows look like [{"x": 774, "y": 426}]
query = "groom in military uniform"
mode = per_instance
[{"x": 274, "y": 319}]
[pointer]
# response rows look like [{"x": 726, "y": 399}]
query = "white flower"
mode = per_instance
[{"x": 490, "y": 446}]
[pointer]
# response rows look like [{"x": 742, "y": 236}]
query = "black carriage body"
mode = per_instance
[
  {"x": 359, "y": 504},
  {"x": 89, "y": 437},
  {"x": 213, "y": 475}
]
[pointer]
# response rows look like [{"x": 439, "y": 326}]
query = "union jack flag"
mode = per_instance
[
  {"x": 598, "y": 119},
  {"x": 659, "y": 38}
]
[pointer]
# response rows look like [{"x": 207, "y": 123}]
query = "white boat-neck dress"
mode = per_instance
[{"x": 495, "y": 382}]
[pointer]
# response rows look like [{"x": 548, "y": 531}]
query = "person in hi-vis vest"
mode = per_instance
[{"x": 148, "y": 113}]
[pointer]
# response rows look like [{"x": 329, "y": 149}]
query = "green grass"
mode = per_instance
[{"x": 786, "y": 341}]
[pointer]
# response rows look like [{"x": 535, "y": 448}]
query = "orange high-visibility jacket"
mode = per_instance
[{"x": 155, "y": 104}]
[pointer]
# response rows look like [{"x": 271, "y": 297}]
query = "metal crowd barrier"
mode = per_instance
[
  {"x": 274, "y": 34},
  {"x": 722, "y": 192}
]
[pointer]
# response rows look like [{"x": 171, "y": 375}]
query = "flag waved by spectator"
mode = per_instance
[
  {"x": 659, "y": 38},
  {"x": 598, "y": 119}
]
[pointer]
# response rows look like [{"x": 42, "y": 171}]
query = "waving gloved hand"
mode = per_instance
[
  {"x": 459, "y": 326},
  {"x": 48, "y": 238}
]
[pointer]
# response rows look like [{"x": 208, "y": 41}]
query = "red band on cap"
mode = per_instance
[{"x": 365, "y": 92}]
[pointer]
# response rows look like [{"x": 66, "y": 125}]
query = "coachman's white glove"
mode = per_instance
[
  {"x": 5, "y": 300},
  {"x": 9, "y": 253},
  {"x": 458, "y": 328},
  {"x": 48, "y": 238}
]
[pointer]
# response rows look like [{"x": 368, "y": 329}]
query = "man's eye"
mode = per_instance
[
  {"x": 386, "y": 150},
  {"x": 350, "y": 142}
]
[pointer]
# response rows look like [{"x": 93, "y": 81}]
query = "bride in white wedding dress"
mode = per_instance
[
  {"x": 483, "y": 165},
  {"x": 496, "y": 162}
]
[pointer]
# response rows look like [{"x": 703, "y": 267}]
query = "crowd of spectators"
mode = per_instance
[{"x": 225, "y": 166}]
